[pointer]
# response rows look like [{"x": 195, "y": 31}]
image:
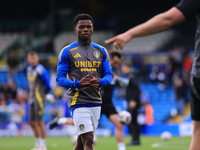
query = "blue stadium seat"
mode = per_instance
[{"x": 161, "y": 101}]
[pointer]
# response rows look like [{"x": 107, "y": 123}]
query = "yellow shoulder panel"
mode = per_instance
[{"x": 73, "y": 48}]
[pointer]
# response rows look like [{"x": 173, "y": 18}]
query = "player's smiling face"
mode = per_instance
[{"x": 84, "y": 29}]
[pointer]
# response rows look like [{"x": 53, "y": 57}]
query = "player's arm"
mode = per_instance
[
  {"x": 157, "y": 24},
  {"x": 62, "y": 70},
  {"x": 107, "y": 70},
  {"x": 42, "y": 73}
]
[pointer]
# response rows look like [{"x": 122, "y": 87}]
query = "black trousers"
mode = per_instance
[
  {"x": 134, "y": 127},
  {"x": 195, "y": 98}
]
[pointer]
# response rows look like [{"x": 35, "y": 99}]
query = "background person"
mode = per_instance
[
  {"x": 177, "y": 14},
  {"x": 133, "y": 98},
  {"x": 38, "y": 88}
]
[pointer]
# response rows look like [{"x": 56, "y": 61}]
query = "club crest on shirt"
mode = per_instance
[
  {"x": 81, "y": 126},
  {"x": 96, "y": 54}
]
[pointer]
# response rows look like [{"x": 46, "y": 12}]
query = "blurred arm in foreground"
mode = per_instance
[{"x": 156, "y": 24}]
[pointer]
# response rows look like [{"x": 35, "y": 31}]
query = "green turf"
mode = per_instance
[{"x": 64, "y": 143}]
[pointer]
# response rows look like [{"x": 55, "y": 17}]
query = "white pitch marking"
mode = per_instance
[
  {"x": 164, "y": 146},
  {"x": 156, "y": 145}
]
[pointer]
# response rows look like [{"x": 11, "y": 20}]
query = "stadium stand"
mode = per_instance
[
  {"x": 151, "y": 42},
  {"x": 7, "y": 39},
  {"x": 162, "y": 101}
]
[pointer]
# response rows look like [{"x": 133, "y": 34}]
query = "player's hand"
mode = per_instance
[
  {"x": 94, "y": 82},
  {"x": 120, "y": 40},
  {"x": 84, "y": 82},
  {"x": 116, "y": 77},
  {"x": 132, "y": 104}
]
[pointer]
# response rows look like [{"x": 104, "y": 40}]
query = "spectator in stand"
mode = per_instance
[
  {"x": 145, "y": 116},
  {"x": 25, "y": 63},
  {"x": 3, "y": 100},
  {"x": 187, "y": 63},
  {"x": 137, "y": 61},
  {"x": 12, "y": 89},
  {"x": 168, "y": 71},
  {"x": 3, "y": 104},
  {"x": 161, "y": 78},
  {"x": 22, "y": 96},
  {"x": 153, "y": 73},
  {"x": 12, "y": 62},
  {"x": 177, "y": 54},
  {"x": 172, "y": 62},
  {"x": 144, "y": 72},
  {"x": 181, "y": 94},
  {"x": 4, "y": 90},
  {"x": 18, "y": 111},
  {"x": 175, "y": 75},
  {"x": 1, "y": 89},
  {"x": 8, "y": 90}
]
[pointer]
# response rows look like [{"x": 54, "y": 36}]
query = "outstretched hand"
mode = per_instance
[
  {"x": 87, "y": 83},
  {"x": 120, "y": 40}
]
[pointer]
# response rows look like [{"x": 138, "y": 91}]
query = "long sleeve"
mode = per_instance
[
  {"x": 62, "y": 70},
  {"x": 42, "y": 73},
  {"x": 107, "y": 70}
]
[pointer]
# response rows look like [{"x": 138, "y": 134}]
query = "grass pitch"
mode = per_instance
[{"x": 64, "y": 143}]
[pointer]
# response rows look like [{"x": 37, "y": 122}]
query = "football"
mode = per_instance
[
  {"x": 50, "y": 98},
  {"x": 166, "y": 136},
  {"x": 124, "y": 117}
]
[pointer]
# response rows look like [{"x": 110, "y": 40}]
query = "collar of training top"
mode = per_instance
[{"x": 83, "y": 42}]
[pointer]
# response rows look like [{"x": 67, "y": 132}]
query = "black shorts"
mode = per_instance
[
  {"x": 195, "y": 98},
  {"x": 108, "y": 109},
  {"x": 36, "y": 111}
]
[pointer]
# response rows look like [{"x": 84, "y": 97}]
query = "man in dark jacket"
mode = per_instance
[{"x": 133, "y": 98}]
